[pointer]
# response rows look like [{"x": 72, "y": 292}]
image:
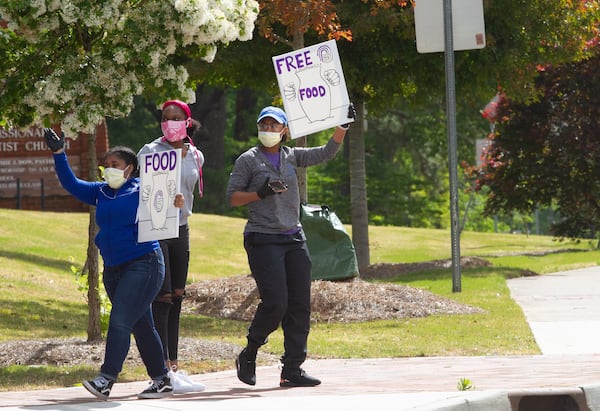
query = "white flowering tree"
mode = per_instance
[
  {"x": 79, "y": 61},
  {"x": 75, "y": 62}
]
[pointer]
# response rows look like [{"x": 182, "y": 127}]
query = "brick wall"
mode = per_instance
[{"x": 27, "y": 177}]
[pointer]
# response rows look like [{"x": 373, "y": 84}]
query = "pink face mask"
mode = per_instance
[{"x": 174, "y": 130}]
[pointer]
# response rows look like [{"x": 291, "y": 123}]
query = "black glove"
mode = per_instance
[
  {"x": 265, "y": 190},
  {"x": 53, "y": 141},
  {"x": 351, "y": 114}
]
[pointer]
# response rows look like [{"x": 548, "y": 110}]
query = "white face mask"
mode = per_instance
[
  {"x": 114, "y": 177},
  {"x": 269, "y": 138}
]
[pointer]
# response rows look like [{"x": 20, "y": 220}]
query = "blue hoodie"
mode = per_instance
[{"x": 116, "y": 214}]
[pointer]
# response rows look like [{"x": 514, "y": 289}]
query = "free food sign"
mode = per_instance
[{"x": 313, "y": 88}]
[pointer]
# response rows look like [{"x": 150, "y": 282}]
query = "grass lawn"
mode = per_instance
[{"x": 40, "y": 297}]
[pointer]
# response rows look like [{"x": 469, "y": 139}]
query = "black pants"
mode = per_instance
[
  {"x": 281, "y": 267},
  {"x": 167, "y": 311},
  {"x": 177, "y": 260}
]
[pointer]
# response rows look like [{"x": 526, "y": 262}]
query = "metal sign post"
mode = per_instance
[
  {"x": 468, "y": 34},
  {"x": 452, "y": 157}
]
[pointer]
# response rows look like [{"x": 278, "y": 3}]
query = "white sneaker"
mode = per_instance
[{"x": 183, "y": 384}]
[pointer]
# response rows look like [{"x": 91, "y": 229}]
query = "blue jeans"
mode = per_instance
[{"x": 131, "y": 288}]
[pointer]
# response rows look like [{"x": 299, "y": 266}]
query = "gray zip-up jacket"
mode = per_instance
[{"x": 278, "y": 213}]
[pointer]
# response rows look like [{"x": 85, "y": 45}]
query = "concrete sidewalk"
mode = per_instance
[
  {"x": 425, "y": 383},
  {"x": 562, "y": 309},
  {"x": 567, "y": 373}
]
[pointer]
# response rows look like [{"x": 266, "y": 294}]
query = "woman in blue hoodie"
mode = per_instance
[{"x": 133, "y": 271}]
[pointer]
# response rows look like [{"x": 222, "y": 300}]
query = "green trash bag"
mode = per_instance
[{"x": 331, "y": 249}]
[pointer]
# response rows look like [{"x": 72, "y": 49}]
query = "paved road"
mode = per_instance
[{"x": 563, "y": 310}]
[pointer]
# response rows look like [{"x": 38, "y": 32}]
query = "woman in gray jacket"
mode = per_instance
[
  {"x": 264, "y": 179},
  {"x": 175, "y": 122}
]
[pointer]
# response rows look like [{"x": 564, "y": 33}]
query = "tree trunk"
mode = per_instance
[
  {"x": 210, "y": 110},
  {"x": 358, "y": 189},
  {"x": 94, "y": 331},
  {"x": 245, "y": 114},
  {"x": 302, "y": 174},
  {"x": 298, "y": 43}
]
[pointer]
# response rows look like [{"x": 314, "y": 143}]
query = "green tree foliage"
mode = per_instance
[
  {"x": 135, "y": 130},
  {"x": 548, "y": 152},
  {"x": 407, "y": 168}
]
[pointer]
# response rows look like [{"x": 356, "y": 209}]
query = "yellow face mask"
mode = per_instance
[
  {"x": 114, "y": 177},
  {"x": 269, "y": 138}
]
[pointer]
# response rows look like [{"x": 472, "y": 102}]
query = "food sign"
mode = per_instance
[
  {"x": 313, "y": 88},
  {"x": 158, "y": 218}
]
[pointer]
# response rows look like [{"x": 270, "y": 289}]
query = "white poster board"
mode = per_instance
[
  {"x": 160, "y": 175},
  {"x": 468, "y": 27},
  {"x": 313, "y": 88}
]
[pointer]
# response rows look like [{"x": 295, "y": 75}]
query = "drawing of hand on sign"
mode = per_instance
[
  {"x": 332, "y": 77},
  {"x": 289, "y": 92}
]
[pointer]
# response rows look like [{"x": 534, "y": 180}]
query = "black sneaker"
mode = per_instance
[
  {"x": 297, "y": 378},
  {"x": 99, "y": 387},
  {"x": 158, "y": 389},
  {"x": 246, "y": 368}
]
